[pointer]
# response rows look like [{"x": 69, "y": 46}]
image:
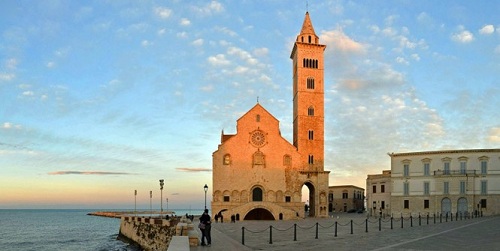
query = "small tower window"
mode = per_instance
[
  {"x": 257, "y": 118},
  {"x": 310, "y": 83},
  {"x": 311, "y": 159},
  {"x": 310, "y": 111},
  {"x": 311, "y": 134},
  {"x": 309, "y": 39}
]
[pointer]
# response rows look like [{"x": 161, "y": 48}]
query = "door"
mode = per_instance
[
  {"x": 445, "y": 206},
  {"x": 462, "y": 206}
]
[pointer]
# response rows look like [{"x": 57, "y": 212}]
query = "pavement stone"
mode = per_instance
[{"x": 466, "y": 234}]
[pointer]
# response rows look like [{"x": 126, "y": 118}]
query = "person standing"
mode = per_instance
[{"x": 205, "y": 231}]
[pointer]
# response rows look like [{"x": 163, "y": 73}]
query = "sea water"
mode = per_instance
[
  {"x": 63, "y": 229},
  {"x": 59, "y": 230}
]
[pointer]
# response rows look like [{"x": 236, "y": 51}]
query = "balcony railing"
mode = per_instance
[{"x": 454, "y": 172}]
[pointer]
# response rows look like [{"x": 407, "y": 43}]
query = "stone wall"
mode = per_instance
[{"x": 155, "y": 234}]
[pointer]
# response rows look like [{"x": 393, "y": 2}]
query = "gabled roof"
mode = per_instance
[{"x": 255, "y": 107}]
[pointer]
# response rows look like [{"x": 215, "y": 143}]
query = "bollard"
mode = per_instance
[
  {"x": 391, "y": 222},
  {"x": 366, "y": 224},
  {"x": 401, "y": 221},
  {"x": 451, "y": 216},
  {"x": 411, "y": 220},
  {"x": 419, "y": 220},
  {"x": 379, "y": 225},
  {"x": 295, "y": 232},
  {"x": 456, "y": 216},
  {"x": 335, "y": 228},
  {"x": 243, "y": 236},
  {"x": 270, "y": 234},
  {"x": 317, "y": 224},
  {"x": 351, "y": 227}
]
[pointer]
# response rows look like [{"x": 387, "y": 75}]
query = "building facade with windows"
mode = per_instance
[
  {"x": 378, "y": 195},
  {"x": 259, "y": 175},
  {"x": 345, "y": 198},
  {"x": 454, "y": 181}
]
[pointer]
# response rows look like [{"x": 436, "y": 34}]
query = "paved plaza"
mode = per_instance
[{"x": 466, "y": 234}]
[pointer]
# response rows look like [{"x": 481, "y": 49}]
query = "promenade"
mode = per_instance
[{"x": 466, "y": 234}]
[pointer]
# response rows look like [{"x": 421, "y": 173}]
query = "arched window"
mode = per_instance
[
  {"x": 310, "y": 83},
  {"x": 227, "y": 159},
  {"x": 257, "y": 194},
  {"x": 310, "y": 111},
  {"x": 257, "y": 118},
  {"x": 309, "y": 39},
  {"x": 311, "y": 159},
  {"x": 311, "y": 134}
]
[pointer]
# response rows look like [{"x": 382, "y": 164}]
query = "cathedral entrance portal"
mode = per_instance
[
  {"x": 259, "y": 214},
  {"x": 308, "y": 195}
]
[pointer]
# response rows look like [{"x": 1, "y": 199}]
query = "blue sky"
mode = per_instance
[{"x": 99, "y": 98}]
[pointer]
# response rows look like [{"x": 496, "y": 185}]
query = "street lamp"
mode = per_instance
[
  {"x": 161, "y": 197},
  {"x": 151, "y": 203},
  {"x": 206, "y": 189},
  {"x": 135, "y": 202}
]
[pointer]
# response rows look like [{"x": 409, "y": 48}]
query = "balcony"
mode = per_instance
[{"x": 455, "y": 173}]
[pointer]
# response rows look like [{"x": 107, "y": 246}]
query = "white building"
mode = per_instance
[{"x": 452, "y": 181}]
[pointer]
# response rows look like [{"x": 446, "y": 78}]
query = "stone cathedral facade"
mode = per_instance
[{"x": 259, "y": 175}]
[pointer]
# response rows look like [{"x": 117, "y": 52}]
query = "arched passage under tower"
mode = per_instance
[{"x": 308, "y": 198}]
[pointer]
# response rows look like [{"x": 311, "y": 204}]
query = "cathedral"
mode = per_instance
[{"x": 258, "y": 174}]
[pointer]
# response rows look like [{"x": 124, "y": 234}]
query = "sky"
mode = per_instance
[{"x": 101, "y": 98}]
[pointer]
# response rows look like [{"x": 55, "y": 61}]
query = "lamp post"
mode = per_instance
[
  {"x": 206, "y": 189},
  {"x": 161, "y": 197},
  {"x": 135, "y": 202},
  {"x": 167, "y": 204},
  {"x": 151, "y": 203}
]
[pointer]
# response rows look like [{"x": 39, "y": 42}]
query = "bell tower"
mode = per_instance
[{"x": 308, "y": 97}]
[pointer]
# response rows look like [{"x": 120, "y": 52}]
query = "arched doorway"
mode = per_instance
[
  {"x": 445, "y": 206},
  {"x": 309, "y": 199},
  {"x": 259, "y": 214},
  {"x": 462, "y": 205}
]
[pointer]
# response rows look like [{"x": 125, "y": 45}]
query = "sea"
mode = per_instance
[{"x": 63, "y": 229}]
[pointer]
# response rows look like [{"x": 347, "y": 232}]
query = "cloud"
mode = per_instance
[
  {"x": 463, "y": 36},
  {"x": 198, "y": 42},
  {"x": 487, "y": 29},
  {"x": 401, "y": 60},
  {"x": 162, "y": 12},
  {"x": 218, "y": 60},
  {"x": 209, "y": 9},
  {"x": 9, "y": 125},
  {"x": 87, "y": 173},
  {"x": 189, "y": 169},
  {"x": 185, "y": 22},
  {"x": 6, "y": 76},
  {"x": 494, "y": 135},
  {"x": 338, "y": 41}
]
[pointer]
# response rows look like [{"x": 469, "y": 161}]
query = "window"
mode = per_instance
[
  {"x": 446, "y": 188},
  {"x": 484, "y": 167},
  {"x": 462, "y": 187},
  {"x": 406, "y": 170},
  {"x": 288, "y": 199},
  {"x": 311, "y": 134},
  {"x": 226, "y": 198},
  {"x": 426, "y": 203},
  {"x": 345, "y": 195},
  {"x": 483, "y": 203},
  {"x": 463, "y": 167},
  {"x": 426, "y": 169},
  {"x": 311, "y": 159},
  {"x": 257, "y": 118},
  {"x": 406, "y": 204},
  {"x": 227, "y": 159},
  {"x": 310, "y": 111},
  {"x": 426, "y": 188},
  {"x": 484, "y": 187},
  {"x": 257, "y": 194},
  {"x": 310, "y": 83},
  {"x": 406, "y": 188},
  {"x": 382, "y": 205},
  {"x": 382, "y": 188},
  {"x": 447, "y": 168},
  {"x": 287, "y": 160},
  {"x": 330, "y": 197},
  {"x": 374, "y": 189}
]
